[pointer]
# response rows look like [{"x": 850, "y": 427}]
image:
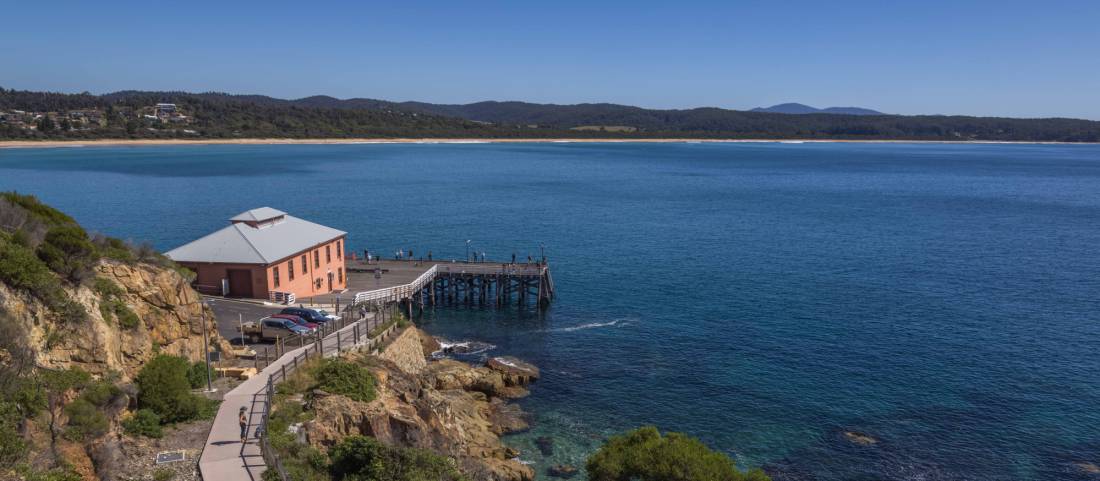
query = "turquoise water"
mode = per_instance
[{"x": 943, "y": 299}]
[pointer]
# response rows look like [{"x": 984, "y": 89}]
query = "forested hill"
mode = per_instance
[{"x": 132, "y": 114}]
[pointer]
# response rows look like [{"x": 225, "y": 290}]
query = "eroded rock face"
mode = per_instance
[
  {"x": 448, "y": 406},
  {"x": 169, "y": 309}
]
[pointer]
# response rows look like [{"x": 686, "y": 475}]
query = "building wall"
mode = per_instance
[
  {"x": 305, "y": 284},
  {"x": 209, "y": 276}
]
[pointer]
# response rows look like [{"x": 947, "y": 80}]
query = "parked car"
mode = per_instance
[
  {"x": 310, "y": 315},
  {"x": 329, "y": 316},
  {"x": 272, "y": 328},
  {"x": 298, "y": 320}
]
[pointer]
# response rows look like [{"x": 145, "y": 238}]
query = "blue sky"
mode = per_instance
[{"x": 1009, "y": 58}]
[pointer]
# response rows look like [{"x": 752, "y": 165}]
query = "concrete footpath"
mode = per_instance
[{"x": 224, "y": 458}]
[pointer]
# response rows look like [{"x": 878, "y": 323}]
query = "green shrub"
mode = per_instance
[
  {"x": 338, "y": 376},
  {"x": 86, "y": 421},
  {"x": 112, "y": 305},
  {"x": 144, "y": 422},
  {"x": 68, "y": 251},
  {"x": 645, "y": 455},
  {"x": 86, "y": 418},
  {"x": 196, "y": 374},
  {"x": 37, "y": 209},
  {"x": 163, "y": 388},
  {"x": 113, "y": 248},
  {"x": 12, "y": 444},
  {"x": 22, "y": 269},
  {"x": 360, "y": 458}
]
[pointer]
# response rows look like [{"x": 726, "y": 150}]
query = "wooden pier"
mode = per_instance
[{"x": 416, "y": 285}]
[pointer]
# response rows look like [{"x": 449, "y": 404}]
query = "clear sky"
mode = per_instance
[{"x": 1010, "y": 58}]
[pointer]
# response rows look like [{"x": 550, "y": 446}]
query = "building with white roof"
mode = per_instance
[{"x": 265, "y": 251}]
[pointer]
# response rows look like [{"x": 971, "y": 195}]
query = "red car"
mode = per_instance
[{"x": 297, "y": 320}]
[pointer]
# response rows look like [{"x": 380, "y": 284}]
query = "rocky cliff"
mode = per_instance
[
  {"x": 443, "y": 405},
  {"x": 168, "y": 311}
]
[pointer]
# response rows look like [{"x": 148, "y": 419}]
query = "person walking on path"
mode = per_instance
[{"x": 243, "y": 420}]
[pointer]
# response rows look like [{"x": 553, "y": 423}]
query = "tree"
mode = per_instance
[
  {"x": 45, "y": 124},
  {"x": 645, "y": 455},
  {"x": 164, "y": 389}
]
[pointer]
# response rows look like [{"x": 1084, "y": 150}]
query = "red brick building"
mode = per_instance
[{"x": 264, "y": 251}]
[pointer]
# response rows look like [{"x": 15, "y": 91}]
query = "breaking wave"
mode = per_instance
[{"x": 591, "y": 325}]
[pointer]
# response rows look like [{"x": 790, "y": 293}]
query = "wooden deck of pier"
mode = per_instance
[{"x": 417, "y": 284}]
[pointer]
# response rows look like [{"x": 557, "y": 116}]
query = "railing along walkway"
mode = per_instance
[{"x": 224, "y": 457}]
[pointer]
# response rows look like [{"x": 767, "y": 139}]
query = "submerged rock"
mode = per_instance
[
  {"x": 545, "y": 445},
  {"x": 862, "y": 439},
  {"x": 1087, "y": 467},
  {"x": 562, "y": 471}
]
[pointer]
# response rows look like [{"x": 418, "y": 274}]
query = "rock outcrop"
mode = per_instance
[
  {"x": 447, "y": 406},
  {"x": 170, "y": 314}
]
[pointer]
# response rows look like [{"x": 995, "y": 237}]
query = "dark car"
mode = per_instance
[
  {"x": 297, "y": 320},
  {"x": 311, "y": 315}
]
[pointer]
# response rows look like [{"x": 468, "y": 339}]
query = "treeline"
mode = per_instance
[{"x": 218, "y": 115}]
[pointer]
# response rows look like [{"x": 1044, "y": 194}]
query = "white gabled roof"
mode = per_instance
[
  {"x": 250, "y": 240},
  {"x": 263, "y": 213}
]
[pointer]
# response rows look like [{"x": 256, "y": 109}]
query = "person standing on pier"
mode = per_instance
[
  {"x": 429, "y": 256},
  {"x": 513, "y": 258}
]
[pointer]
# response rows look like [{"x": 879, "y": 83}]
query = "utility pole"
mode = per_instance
[{"x": 206, "y": 347}]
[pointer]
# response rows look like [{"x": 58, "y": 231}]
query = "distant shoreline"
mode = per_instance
[{"x": 30, "y": 144}]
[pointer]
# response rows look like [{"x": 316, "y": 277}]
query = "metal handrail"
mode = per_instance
[{"x": 359, "y": 330}]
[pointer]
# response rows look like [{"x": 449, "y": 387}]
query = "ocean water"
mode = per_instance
[{"x": 944, "y": 299}]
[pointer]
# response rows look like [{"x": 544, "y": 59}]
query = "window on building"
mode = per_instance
[
  {"x": 328, "y": 254},
  {"x": 316, "y": 258},
  {"x": 290, "y": 270},
  {"x": 275, "y": 272},
  {"x": 304, "y": 265},
  {"x": 340, "y": 274},
  {"x": 317, "y": 284},
  {"x": 339, "y": 249}
]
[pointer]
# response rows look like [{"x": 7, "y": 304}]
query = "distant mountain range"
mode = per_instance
[
  {"x": 220, "y": 115},
  {"x": 796, "y": 108}
]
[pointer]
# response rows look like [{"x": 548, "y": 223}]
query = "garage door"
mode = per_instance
[{"x": 240, "y": 283}]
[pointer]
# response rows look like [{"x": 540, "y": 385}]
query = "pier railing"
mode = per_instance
[{"x": 397, "y": 293}]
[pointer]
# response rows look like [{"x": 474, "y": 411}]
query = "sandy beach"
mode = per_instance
[{"x": 16, "y": 144}]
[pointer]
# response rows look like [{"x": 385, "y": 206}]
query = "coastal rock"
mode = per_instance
[
  {"x": 170, "y": 312},
  {"x": 514, "y": 371},
  {"x": 406, "y": 351},
  {"x": 859, "y": 438},
  {"x": 562, "y": 471},
  {"x": 446, "y": 406},
  {"x": 429, "y": 344}
]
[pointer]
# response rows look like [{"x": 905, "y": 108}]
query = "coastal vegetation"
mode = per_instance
[
  {"x": 646, "y": 455},
  {"x": 164, "y": 388},
  {"x": 124, "y": 115},
  {"x": 79, "y": 361}
]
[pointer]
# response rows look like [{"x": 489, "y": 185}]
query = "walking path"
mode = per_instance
[{"x": 224, "y": 458}]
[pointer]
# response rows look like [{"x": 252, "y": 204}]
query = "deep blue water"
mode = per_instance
[{"x": 944, "y": 299}]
